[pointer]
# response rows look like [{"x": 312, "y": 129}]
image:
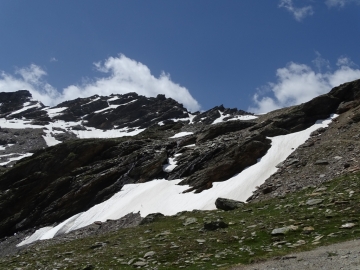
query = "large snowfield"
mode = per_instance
[{"x": 167, "y": 198}]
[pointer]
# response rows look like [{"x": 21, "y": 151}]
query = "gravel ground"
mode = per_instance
[{"x": 344, "y": 255}]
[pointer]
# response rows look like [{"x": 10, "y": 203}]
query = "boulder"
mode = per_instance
[
  {"x": 150, "y": 218},
  {"x": 228, "y": 204},
  {"x": 214, "y": 225}
]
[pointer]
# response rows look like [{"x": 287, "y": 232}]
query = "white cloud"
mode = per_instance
[
  {"x": 121, "y": 75},
  {"x": 53, "y": 59},
  {"x": 340, "y": 3},
  {"x": 299, "y": 13},
  {"x": 30, "y": 78},
  {"x": 298, "y": 83}
]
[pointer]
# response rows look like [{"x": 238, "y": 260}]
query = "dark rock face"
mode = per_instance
[
  {"x": 216, "y": 130},
  {"x": 221, "y": 162},
  {"x": 227, "y": 204},
  {"x": 129, "y": 110},
  {"x": 12, "y": 101}
]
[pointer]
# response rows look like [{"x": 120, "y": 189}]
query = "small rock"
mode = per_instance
[
  {"x": 214, "y": 225},
  {"x": 97, "y": 245},
  {"x": 149, "y": 254},
  {"x": 347, "y": 226},
  {"x": 314, "y": 201},
  {"x": 140, "y": 263},
  {"x": 321, "y": 162},
  {"x": 189, "y": 221},
  {"x": 308, "y": 229},
  {"x": 280, "y": 231}
]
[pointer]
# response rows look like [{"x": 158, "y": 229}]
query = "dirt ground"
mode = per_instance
[{"x": 344, "y": 255}]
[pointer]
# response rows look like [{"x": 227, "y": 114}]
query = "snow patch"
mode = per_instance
[
  {"x": 190, "y": 145},
  {"x": 181, "y": 134},
  {"x": 55, "y": 111},
  {"x": 221, "y": 118},
  {"x": 50, "y": 140},
  {"x": 25, "y": 108},
  {"x": 93, "y": 100},
  {"x": 243, "y": 117},
  {"x": 16, "y": 158},
  {"x": 113, "y": 98},
  {"x": 171, "y": 165},
  {"x": 107, "y": 108}
]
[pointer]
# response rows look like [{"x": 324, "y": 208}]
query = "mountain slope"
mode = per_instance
[{"x": 82, "y": 173}]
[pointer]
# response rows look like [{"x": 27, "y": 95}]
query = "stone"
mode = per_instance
[
  {"x": 200, "y": 241},
  {"x": 149, "y": 254},
  {"x": 139, "y": 263},
  {"x": 308, "y": 229},
  {"x": 189, "y": 221},
  {"x": 228, "y": 204},
  {"x": 283, "y": 230},
  {"x": 97, "y": 245},
  {"x": 314, "y": 202},
  {"x": 321, "y": 162},
  {"x": 214, "y": 225},
  {"x": 280, "y": 231},
  {"x": 347, "y": 226}
]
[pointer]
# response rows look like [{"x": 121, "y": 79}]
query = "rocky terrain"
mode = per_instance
[
  {"x": 217, "y": 239},
  {"x": 108, "y": 142}
]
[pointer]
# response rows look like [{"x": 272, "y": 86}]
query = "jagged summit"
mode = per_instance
[{"x": 37, "y": 126}]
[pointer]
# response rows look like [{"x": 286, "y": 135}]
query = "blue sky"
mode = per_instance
[{"x": 250, "y": 54}]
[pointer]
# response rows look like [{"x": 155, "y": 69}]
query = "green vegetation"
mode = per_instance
[{"x": 247, "y": 239}]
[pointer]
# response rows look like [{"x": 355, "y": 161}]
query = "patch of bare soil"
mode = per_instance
[{"x": 344, "y": 255}]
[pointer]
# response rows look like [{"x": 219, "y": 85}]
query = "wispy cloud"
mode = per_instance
[
  {"x": 299, "y": 13},
  {"x": 121, "y": 75},
  {"x": 340, "y": 3},
  {"x": 298, "y": 83},
  {"x": 53, "y": 59},
  {"x": 320, "y": 63},
  {"x": 345, "y": 61}
]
